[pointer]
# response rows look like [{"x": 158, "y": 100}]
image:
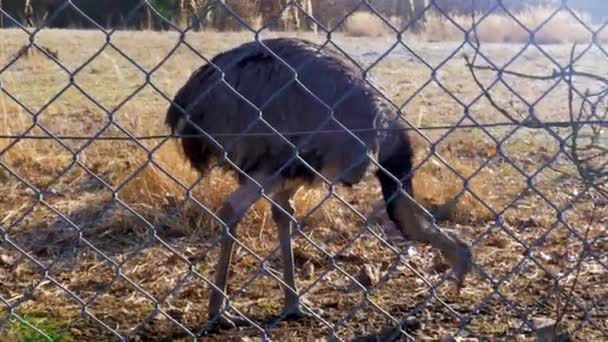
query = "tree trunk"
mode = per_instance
[
  {"x": 308, "y": 9},
  {"x": 220, "y": 15},
  {"x": 269, "y": 10},
  {"x": 149, "y": 24},
  {"x": 418, "y": 8},
  {"x": 28, "y": 11},
  {"x": 290, "y": 17},
  {"x": 404, "y": 10},
  {"x": 184, "y": 10},
  {"x": 194, "y": 9}
]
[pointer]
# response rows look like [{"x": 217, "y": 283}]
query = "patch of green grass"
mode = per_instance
[{"x": 22, "y": 332}]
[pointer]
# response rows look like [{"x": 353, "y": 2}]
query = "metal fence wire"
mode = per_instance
[{"x": 107, "y": 232}]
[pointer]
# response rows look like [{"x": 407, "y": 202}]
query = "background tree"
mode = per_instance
[{"x": 199, "y": 13}]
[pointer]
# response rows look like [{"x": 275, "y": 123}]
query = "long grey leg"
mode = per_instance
[
  {"x": 234, "y": 208},
  {"x": 292, "y": 308},
  {"x": 412, "y": 223},
  {"x": 284, "y": 226}
]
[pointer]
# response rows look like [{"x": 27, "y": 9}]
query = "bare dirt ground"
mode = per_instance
[{"x": 141, "y": 256}]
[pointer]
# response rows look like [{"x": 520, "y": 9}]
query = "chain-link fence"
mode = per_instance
[{"x": 108, "y": 232}]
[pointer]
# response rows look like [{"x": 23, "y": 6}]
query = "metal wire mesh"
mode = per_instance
[{"x": 106, "y": 232}]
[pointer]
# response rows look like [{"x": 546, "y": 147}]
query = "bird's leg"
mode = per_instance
[
  {"x": 414, "y": 226},
  {"x": 234, "y": 208},
  {"x": 283, "y": 220},
  {"x": 411, "y": 221}
]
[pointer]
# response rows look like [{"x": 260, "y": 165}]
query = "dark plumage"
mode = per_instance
[
  {"x": 249, "y": 91},
  {"x": 287, "y": 105}
]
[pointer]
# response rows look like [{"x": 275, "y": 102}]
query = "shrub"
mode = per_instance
[
  {"x": 501, "y": 28},
  {"x": 366, "y": 24}
]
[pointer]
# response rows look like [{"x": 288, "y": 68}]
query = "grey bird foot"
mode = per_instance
[
  {"x": 296, "y": 312},
  {"x": 226, "y": 321},
  {"x": 461, "y": 260}
]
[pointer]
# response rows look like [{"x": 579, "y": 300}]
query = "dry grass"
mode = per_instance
[
  {"x": 118, "y": 230},
  {"x": 366, "y": 24},
  {"x": 563, "y": 27}
]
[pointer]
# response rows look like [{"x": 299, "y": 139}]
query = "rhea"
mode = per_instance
[{"x": 285, "y": 113}]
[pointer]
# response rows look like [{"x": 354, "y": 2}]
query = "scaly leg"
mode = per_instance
[
  {"x": 283, "y": 219},
  {"x": 231, "y": 213},
  {"x": 409, "y": 217},
  {"x": 412, "y": 224}
]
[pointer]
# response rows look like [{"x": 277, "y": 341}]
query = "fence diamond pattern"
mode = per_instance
[{"x": 106, "y": 232}]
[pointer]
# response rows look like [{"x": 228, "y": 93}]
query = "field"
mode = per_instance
[{"x": 140, "y": 257}]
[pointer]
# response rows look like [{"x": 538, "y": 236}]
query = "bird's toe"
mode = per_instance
[
  {"x": 225, "y": 321},
  {"x": 296, "y": 312}
]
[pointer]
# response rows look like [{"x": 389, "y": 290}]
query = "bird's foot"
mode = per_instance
[
  {"x": 295, "y": 312},
  {"x": 225, "y": 321},
  {"x": 460, "y": 257}
]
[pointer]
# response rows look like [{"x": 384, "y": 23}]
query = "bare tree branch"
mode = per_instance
[{"x": 585, "y": 144}]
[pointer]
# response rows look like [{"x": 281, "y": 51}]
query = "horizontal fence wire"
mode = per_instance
[
  {"x": 477, "y": 128},
  {"x": 562, "y": 124}
]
